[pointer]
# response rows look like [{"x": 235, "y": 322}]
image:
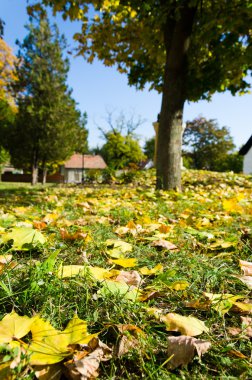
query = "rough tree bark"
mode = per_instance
[{"x": 177, "y": 39}]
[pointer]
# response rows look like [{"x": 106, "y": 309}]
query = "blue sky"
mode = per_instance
[{"x": 97, "y": 88}]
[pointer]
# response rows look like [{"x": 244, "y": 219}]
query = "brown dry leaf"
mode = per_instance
[
  {"x": 127, "y": 337},
  {"x": 246, "y": 267},
  {"x": 39, "y": 225},
  {"x": 247, "y": 322},
  {"x": 237, "y": 354},
  {"x": 164, "y": 228},
  {"x": 164, "y": 244},
  {"x": 182, "y": 349},
  {"x": 87, "y": 367},
  {"x": 247, "y": 280},
  {"x": 196, "y": 304},
  {"x": 65, "y": 235},
  {"x": 148, "y": 295},
  {"x": 130, "y": 278},
  {"x": 48, "y": 372},
  {"x": 234, "y": 330}
]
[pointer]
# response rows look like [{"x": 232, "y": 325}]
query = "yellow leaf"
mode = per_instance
[
  {"x": 125, "y": 263},
  {"x": 179, "y": 285},
  {"x": 22, "y": 236},
  {"x": 76, "y": 332},
  {"x": 99, "y": 274},
  {"x": 185, "y": 325},
  {"x": 14, "y": 326},
  {"x": 117, "y": 248},
  {"x": 49, "y": 346},
  {"x": 71, "y": 270},
  {"x": 222, "y": 302},
  {"x": 148, "y": 272},
  {"x": 244, "y": 306}
]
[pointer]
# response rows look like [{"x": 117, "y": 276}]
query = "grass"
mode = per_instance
[{"x": 197, "y": 221}]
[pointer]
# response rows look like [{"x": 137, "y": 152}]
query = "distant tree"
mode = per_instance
[
  {"x": 48, "y": 125},
  {"x": 121, "y": 147},
  {"x": 82, "y": 136},
  {"x": 7, "y": 72},
  {"x": 208, "y": 146},
  {"x": 1, "y": 27},
  {"x": 121, "y": 151},
  {"x": 149, "y": 148}
]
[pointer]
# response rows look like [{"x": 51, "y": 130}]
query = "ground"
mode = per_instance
[{"x": 146, "y": 271}]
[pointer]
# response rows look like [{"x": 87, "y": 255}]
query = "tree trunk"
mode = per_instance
[
  {"x": 44, "y": 175},
  {"x": 177, "y": 37},
  {"x": 34, "y": 169},
  {"x": 34, "y": 175}
]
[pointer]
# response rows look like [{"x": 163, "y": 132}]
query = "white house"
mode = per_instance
[{"x": 246, "y": 151}]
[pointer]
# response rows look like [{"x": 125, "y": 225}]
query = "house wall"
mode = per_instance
[
  {"x": 73, "y": 175},
  {"x": 247, "y": 162}
]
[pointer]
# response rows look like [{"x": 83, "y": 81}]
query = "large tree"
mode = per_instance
[
  {"x": 186, "y": 49},
  {"x": 48, "y": 123}
]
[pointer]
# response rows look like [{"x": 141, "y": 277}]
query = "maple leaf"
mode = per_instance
[
  {"x": 22, "y": 236},
  {"x": 13, "y": 326}
]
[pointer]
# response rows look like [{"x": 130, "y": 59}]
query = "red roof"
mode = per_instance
[{"x": 86, "y": 161}]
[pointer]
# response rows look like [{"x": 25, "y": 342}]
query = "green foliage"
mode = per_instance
[
  {"x": 208, "y": 146},
  {"x": 131, "y": 35},
  {"x": 48, "y": 126},
  {"x": 149, "y": 148},
  {"x": 120, "y": 151}
]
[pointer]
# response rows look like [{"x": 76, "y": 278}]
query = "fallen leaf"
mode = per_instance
[
  {"x": 185, "y": 325},
  {"x": 246, "y": 267},
  {"x": 237, "y": 354},
  {"x": 125, "y": 263},
  {"x": 182, "y": 349},
  {"x": 48, "y": 372},
  {"x": 222, "y": 302},
  {"x": 22, "y": 236},
  {"x": 117, "y": 248},
  {"x": 39, "y": 225},
  {"x": 130, "y": 278},
  {"x": 178, "y": 285},
  {"x": 13, "y": 326},
  {"x": 126, "y": 336},
  {"x": 119, "y": 288},
  {"x": 87, "y": 367},
  {"x": 247, "y": 324},
  {"x": 247, "y": 280},
  {"x": 148, "y": 272},
  {"x": 65, "y": 235},
  {"x": 49, "y": 346},
  {"x": 164, "y": 244}
]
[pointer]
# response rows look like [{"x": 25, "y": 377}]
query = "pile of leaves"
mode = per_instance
[{"x": 126, "y": 282}]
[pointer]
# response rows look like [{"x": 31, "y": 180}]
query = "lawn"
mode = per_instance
[{"x": 124, "y": 282}]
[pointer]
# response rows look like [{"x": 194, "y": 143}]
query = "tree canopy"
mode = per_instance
[
  {"x": 121, "y": 148},
  {"x": 208, "y": 146},
  {"x": 48, "y": 126},
  {"x": 187, "y": 50}
]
